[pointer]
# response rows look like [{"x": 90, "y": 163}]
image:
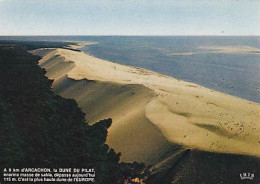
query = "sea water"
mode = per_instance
[{"x": 188, "y": 58}]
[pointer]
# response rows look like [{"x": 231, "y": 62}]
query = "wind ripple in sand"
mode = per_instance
[
  {"x": 186, "y": 113},
  {"x": 220, "y": 49}
]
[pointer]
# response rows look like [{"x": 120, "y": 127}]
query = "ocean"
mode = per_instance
[{"x": 215, "y": 62}]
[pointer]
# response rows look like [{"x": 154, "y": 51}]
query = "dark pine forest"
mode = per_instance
[{"x": 39, "y": 129}]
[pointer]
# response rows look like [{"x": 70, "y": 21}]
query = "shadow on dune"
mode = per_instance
[{"x": 139, "y": 140}]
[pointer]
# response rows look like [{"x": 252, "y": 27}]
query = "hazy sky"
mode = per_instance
[{"x": 129, "y": 17}]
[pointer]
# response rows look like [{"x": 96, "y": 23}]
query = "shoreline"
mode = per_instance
[
  {"x": 185, "y": 113},
  {"x": 227, "y": 49}
]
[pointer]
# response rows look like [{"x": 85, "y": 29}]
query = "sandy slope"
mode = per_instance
[
  {"x": 150, "y": 111},
  {"x": 217, "y": 49}
]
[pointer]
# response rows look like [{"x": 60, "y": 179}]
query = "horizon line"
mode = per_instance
[{"x": 118, "y": 35}]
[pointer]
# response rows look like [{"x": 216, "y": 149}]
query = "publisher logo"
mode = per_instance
[{"x": 247, "y": 176}]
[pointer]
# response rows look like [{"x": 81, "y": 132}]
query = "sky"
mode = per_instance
[{"x": 129, "y": 17}]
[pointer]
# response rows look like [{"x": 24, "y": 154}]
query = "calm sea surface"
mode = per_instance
[{"x": 187, "y": 58}]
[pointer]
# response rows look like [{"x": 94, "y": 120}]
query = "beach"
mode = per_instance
[{"x": 152, "y": 113}]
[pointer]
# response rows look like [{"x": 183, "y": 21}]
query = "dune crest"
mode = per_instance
[{"x": 151, "y": 112}]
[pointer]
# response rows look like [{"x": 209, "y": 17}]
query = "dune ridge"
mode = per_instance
[{"x": 153, "y": 113}]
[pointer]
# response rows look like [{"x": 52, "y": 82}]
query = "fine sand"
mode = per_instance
[
  {"x": 151, "y": 112},
  {"x": 81, "y": 44}
]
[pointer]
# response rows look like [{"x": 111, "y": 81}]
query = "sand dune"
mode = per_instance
[{"x": 152, "y": 113}]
